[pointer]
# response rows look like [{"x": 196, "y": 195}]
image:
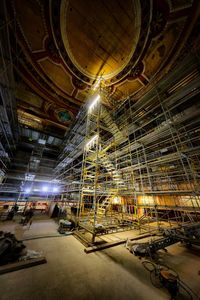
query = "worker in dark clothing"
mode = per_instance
[
  {"x": 10, "y": 214},
  {"x": 56, "y": 211},
  {"x": 15, "y": 208},
  {"x": 30, "y": 215}
]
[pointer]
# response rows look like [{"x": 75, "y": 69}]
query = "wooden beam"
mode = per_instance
[
  {"x": 22, "y": 265},
  {"x": 112, "y": 244}
]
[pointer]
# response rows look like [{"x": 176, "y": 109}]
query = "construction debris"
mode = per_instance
[
  {"x": 22, "y": 265},
  {"x": 10, "y": 248},
  {"x": 64, "y": 226},
  {"x": 13, "y": 255},
  {"x": 188, "y": 234}
]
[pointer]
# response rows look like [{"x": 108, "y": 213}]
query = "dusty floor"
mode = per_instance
[{"x": 113, "y": 273}]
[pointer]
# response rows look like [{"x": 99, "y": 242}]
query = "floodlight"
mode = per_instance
[
  {"x": 94, "y": 102},
  {"x": 91, "y": 142},
  {"x": 45, "y": 188}
]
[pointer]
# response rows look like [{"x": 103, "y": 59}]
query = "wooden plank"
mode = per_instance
[
  {"x": 22, "y": 265},
  {"x": 112, "y": 244}
]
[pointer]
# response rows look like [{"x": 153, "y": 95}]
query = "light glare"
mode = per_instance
[
  {"x": 91, "y": 142},
  {"x": 45, "y": 188},
  {"x": 92, "y": 105}
]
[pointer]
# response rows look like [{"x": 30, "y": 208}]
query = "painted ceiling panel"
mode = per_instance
[
  {"x": 61, "y": 48},
  {"x": 130, "y": 87},
  {"x": 31, "y": 19},
  {"x": 59, "y": 76},
  {"x": 106, "y": 40},
  {"x": 28, "y": 97},
  {"x": 160, "y": 48}
]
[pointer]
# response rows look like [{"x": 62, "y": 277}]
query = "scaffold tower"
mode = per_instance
[{"x": 102, "y": 182}]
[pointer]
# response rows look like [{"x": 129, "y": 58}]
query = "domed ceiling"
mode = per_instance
[
  {"x": 62, "y": 49},
  {"x": 102, "y": 42}
]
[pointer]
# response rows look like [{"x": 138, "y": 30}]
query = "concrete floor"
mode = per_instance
[{"x": 71, "y": 274}]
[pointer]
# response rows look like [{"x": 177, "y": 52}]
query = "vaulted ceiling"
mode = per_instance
[{"x": 63, "y": 48}]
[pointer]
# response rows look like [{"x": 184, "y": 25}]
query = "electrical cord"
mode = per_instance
[
  {"x": 188, "y": 289},
  {"x": 156, "y": 278}
]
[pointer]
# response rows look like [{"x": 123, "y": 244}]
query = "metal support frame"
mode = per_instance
[{"x": 152, "y": 146}]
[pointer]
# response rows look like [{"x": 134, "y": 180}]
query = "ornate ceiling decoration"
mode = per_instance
[
  {"x": 106, "y": 41},
  {"x": 63, "y": 47}
]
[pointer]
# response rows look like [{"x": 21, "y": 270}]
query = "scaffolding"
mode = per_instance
[
  {"x": 30, "y": 174},
  {"x": 8, "y": 117},
  {"x": 164, "y": 142},
  {"x": 103, "y": 185},
  {"x": 138, "y": 165}
]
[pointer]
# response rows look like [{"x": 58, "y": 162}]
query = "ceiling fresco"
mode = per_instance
[{"x": 64, "y": 48}]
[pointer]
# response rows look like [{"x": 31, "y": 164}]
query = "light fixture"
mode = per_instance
[
  {"x": 55, "y": 189},
  {"x": 96, "y": 85},
  {"x": 116, "y": 200},
  {"x": 56, "y": 180},
  {"x": 91, "y": 142},
  {"x": 27, "y": 190},
  {"x": 45, "y": 188},
  {"x": 29, "y": 177},
  {"x": 41, "y": 141},
  {"x": 94, "y": 102}
]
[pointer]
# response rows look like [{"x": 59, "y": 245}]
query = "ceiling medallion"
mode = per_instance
[
  {"x": 63, "y": 115},
  {"x": 108, "y": 44}
]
